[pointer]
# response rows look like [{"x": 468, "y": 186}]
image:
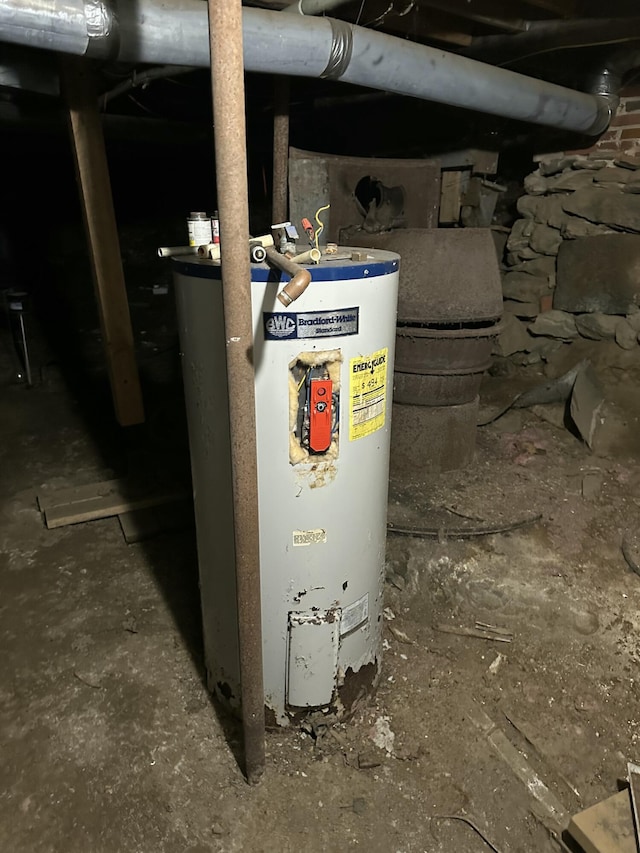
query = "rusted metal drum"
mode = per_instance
[
  {"x": 426, "y": 440},
  {"x": 441, "y": 365}
]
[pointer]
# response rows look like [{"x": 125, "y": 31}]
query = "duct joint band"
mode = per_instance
[
  {"x": 606, "y": 110},
  {"x": 341, "y": 49},
  {"x": 102, "y": 30}
]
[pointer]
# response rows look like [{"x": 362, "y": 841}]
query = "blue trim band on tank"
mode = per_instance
[{"x": 327, "y": 271}]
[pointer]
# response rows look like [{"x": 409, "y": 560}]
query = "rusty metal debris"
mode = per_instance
[
  {"x": 400, "y": 636},
  {"x": 474, "y": 826},
  {"x": 469, "y": 532},
  {"x": 556, "y": 391},
  {"x": 493, "y": 629},
  {"x": 481, "y": 631},
  {"x": 631, "y": 550}
]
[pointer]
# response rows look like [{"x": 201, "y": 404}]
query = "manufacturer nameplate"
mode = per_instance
[{"x": 286, "y": 326}]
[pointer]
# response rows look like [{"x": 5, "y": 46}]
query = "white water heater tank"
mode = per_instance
[{"x": 324, "y": 385}]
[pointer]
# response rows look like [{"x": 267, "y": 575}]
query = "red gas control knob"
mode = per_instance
[{"x": 320, "y": 415}]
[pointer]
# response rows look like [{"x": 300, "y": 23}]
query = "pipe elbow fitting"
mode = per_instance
[
  {"x": 295, "y": 288},
  {"x": 300, "y": 277},
  {"x": 607, "y": 106}
]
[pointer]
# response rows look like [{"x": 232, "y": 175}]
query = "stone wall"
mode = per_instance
[{"x": 570, "y": 198}]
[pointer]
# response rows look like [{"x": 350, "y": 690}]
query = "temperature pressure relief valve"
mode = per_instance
[{"x": 320, "y": 415}]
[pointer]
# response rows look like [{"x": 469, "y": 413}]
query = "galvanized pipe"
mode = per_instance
[
  {"x": 313, "y": 7},
  {"x": 299, "y": 45},
  {"x": 227, "y": 82},
  {"x": 82, "y": 27},
  {"x": 542, "y": 37},
  {"x": 150, "y": 31},
  {"x": 279, "y": 199}
]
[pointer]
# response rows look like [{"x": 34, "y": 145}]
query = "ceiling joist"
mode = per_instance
[
  {"x": 560, "y": 8},
  {"x": 494, "y": 15}
]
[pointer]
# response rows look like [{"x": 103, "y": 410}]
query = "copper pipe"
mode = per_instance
[
  {"x": 227, "y": 81},
  {"x": 300, "y": 277},
  {"x": 280, "y": 149}
]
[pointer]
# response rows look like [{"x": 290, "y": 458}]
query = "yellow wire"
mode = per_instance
[
  {"x": 301, "y": 383},
  {"x": 320, "y": 222}
]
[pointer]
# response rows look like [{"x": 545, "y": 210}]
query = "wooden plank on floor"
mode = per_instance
[
  {"x": 547, "y": 804},
  {"x": 76, "y": 494},
  {"x": 102, "y": 236},
  {"x": 107, "y": 499},
  {"x": 144, "y": 524},
  {"x": 606, "y": 827},
  {"x": 139, "y": 525}
]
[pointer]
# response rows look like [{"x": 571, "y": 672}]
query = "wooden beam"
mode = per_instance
[
  {"x": 441, "y": 30},
  {"x": 561, "y": 8},
  {"x": 427, "y": 24},
  {"x": 489, "y": 14},
  {"x": 92, "y": 175},
  {"x": 416, "y": 23}
]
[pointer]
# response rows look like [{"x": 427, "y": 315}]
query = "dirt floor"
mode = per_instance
[{"x": 109, "y": 740}]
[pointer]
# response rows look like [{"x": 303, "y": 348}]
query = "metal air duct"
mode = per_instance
[{"x": 150, "y": 31}]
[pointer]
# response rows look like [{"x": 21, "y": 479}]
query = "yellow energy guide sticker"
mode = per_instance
[{"x": 367, "y": 393}]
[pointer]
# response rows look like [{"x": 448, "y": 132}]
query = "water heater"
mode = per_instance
[{"x": 323, "y": 386}]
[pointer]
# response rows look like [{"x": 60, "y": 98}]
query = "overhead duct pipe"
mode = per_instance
[
  {"x": 313, "y": 7},
  {"x": 149, "y": 31},
  {"x": 609, "y": 80},
  {"x": 543, "y": 37}
]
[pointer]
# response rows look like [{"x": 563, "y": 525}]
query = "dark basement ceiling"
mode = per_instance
[
  {"x": 151, "y": 125},
  {"x": 563, "y": 41}
]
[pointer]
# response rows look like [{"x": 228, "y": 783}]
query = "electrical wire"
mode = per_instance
[
  {"x": 391, "y": 10},
  {"x": 336, "y": 414},
  {"x": 304, "y": 378},
  {"x": 474, "y": 826},
  {"x": 381, "y": 18},
  {"x": 143, "y": 78},
  {"x": 320, "y": 228}
]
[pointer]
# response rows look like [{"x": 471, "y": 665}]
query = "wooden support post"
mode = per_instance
[
  {"x": 92, "y": 174},
  {"x": 450, "y": 197}
]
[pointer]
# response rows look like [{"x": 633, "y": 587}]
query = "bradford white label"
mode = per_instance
[{"x": 287, "y": 325}]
